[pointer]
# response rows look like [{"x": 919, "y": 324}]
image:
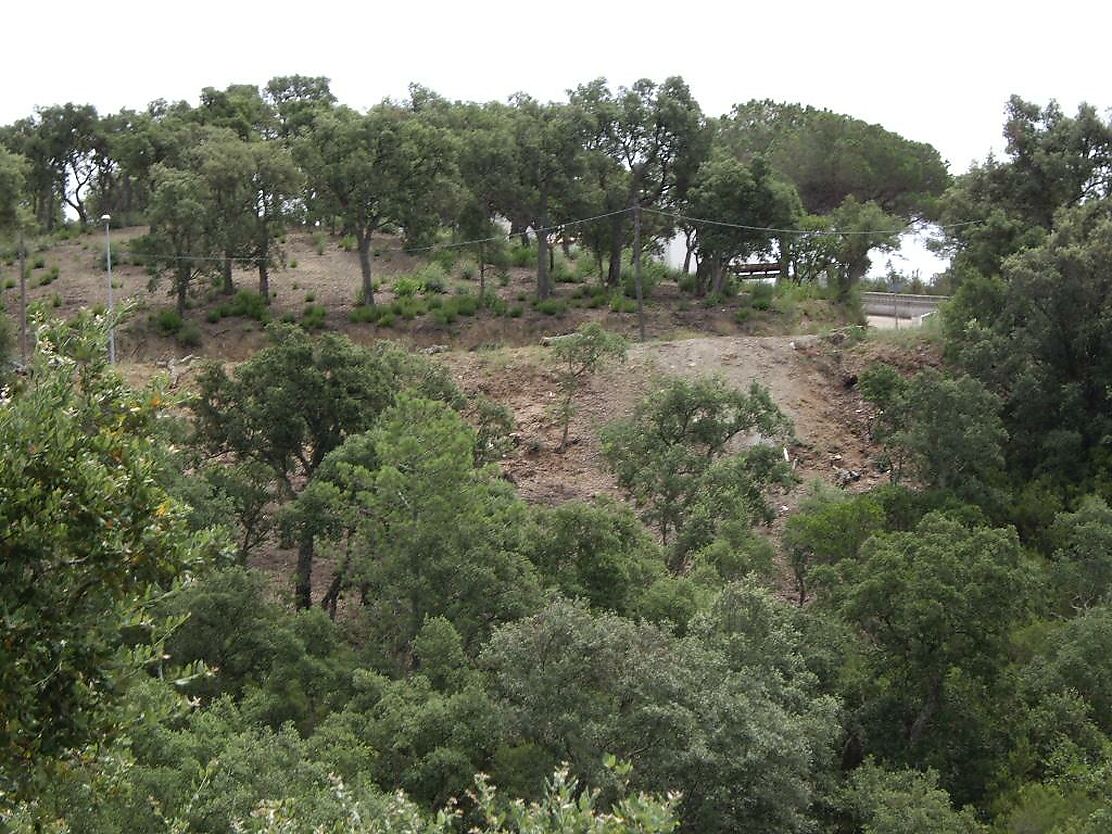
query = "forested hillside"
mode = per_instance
[{"x": 320, "y": 581}]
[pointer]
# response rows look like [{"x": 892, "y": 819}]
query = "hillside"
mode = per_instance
[{"x": 321, "y": 275}]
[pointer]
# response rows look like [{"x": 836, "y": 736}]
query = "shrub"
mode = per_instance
[
  {"x": 515, "y": 312},
  {"x": 244, "y": 304},
  {"x": 189, "y": 335},
  {"x": 552, "y": 307},
  {"x": 386, "y": 319},
  {"x": 312, "y": 318},
  {"x": 495, "y": 304},
  {"x": 522, "y": 256},
  {"x": 503, "y": 278},
  {"x": 620, "y": 304},
  {"x": 432, "y": 278},
  {"x": 293, "y": 263},
  {"x": 347, "y": 243},
  {"x": 467, "y": 272},
  {"x": 318, "y": 242},
  {"x": 409, "y": 308},
  {"x": 444, "y": 258},
  {"x": 9, "y": 283},
  {"x": 445, "y": 315},
  {"x": 405, "y": 286},
  {"x": 310, "y": 297},
  {"x": 761, "y": 296},
  {"x": 363, "y": 314},
  {"x": 38, "y": 263},
  {"x": 168, "y": 322}
]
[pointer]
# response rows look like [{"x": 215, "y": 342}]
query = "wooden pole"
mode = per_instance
[
  {"x": 22, "y": 299},
  {"x": 637, "y": 268}
]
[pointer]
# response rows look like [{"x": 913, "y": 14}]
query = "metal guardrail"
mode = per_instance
[{"x": 901, "y": 305}]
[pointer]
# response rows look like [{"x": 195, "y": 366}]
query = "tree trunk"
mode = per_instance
[
  {"x": 542, "y": 266},
  {"x": 22, "y": 300},
  {"x": 303, "y": 592},
  {"x": 182, "y": 287},
  {"x": 719, "y": 273},
  {"x": 263, "y": 253},
  {"x": 227, "y": 286},
  {"x": 702, "y": 277},
  {"x": 934, "y": 698},
  {"x": 364, "y": 245},
  {"x": 689, "y": 248},
  {"x": 543, "y": 289},
  {"x": 614, "y": 276},
  {"x": 482, "y": 270},
  {"x": 521, "y": 231},
  {"x": 264, "y": 280}
]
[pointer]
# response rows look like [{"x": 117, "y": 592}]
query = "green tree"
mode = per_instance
[
  {"x": 287, "y": 407},
  {"x": 1036, "y": 338},
  {"x": 830, "y": 157},
  {"x": 726, "y": 717},
  {"x": 936, "y": 606},
  {"x": 1052, "y": 161},
  {"x": 437, "y": 536},
  {"x": 376, "y": 171},
  {"x": 297, "y": 99},
  {"x": 829, "y": 527},
  {"x": 1081, "y": 566},
  {"x": 597, "y": 552},
  {"x": 13, "y": 180},
  {"x": 645, "y": 143},
  {"x": 670, "y": 456},
  {"x": 179, "y": 243},
  {"x": 903, "y": 802},
  {"x": 748, "y": 196},
  {"x": 90, "y": 539},
  {"x": 578, "y": 356},
  {"x": 946, "y": 430}
]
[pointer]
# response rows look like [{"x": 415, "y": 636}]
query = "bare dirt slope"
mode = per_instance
[{"x": 800, "y": 373}]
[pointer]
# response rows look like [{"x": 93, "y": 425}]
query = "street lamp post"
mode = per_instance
[{"x": 106, "y": 219}]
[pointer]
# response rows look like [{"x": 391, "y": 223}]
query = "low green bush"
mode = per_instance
[
  {"x": 168, "y": 322},
  {"x": 312, "y": 318},
  {"x": 244, "y": 304},
  {"x": 522, "y": 256},
  {"x": 189, "y": 335},
  {"x": 552, "y": 306}
]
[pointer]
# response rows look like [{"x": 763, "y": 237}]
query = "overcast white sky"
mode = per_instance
[{"x": 939, "y": 72}]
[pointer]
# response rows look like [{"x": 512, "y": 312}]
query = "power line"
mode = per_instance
[
  {"x": 817, "y": 232},
  {"x": 579, "y": 222}
]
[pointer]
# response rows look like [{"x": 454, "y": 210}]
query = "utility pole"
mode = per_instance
[
  {"x": 107, "y": 218},
  {"x": 637, "y": 266},
  {"x": 22, "y": 299}
]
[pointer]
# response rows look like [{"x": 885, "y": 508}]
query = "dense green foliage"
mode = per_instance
[
  {"x": 456, "y": 659},
  {"x": 219, "y": 183}
]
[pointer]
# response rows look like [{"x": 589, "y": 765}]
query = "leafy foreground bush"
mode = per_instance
[{"x": 564, "y": 809}]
